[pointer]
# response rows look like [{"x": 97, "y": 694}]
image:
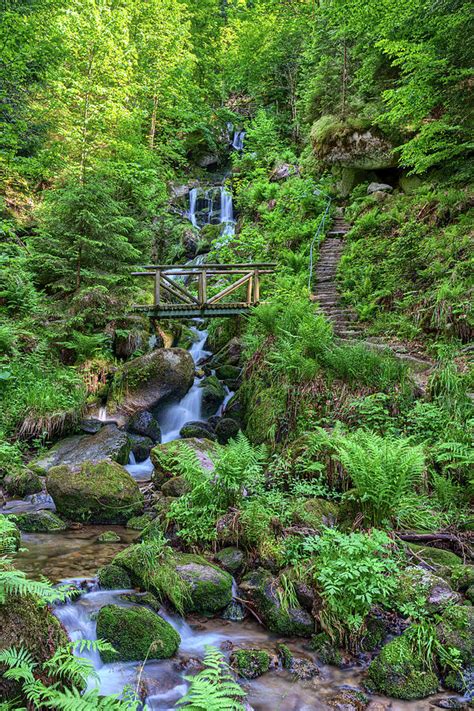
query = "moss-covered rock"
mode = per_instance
[
  {"x": 213, "y": 395},
  {"x": 177, "y": 486},
  {"x": 145, "y": 424},
  {"x": 138, "y": 523},
  {"x": 40, "y": 522},
  {"x": 226, "y": 429},
  {"x": 398, "y": 672},
  {"x": 101, "y": 492},
  {"x": 349, "y": 700},
  {"x": 24, "y": 623},
  {"x": 326, "y": 650},
  {"x": 108, "y": 443},
  {"x": 437, "y": 557},
  {"x": 264, "y": 590},
  {"x": 456, "y": 630},
  {"x": 461, "y": 577},
  {"x": 136, "y": 633},
  {"x": 113, "y": 577},
  {"x": 263, "y": 413},
  {"x": 108, "y": 537},
  {"x": 140, "y": 447},
  {"x": 22, "y": 483},
  {"x": 167, "y": 461},
  {"x": 141, "y": 383},
  {"x": 199, "y": 430},
  {"x": 250, "y": 663},
  {"x": 10, "y": 536},
  {"x": 316, "y": 513},
  {"x": 231, "y": 559},
  {"x": 228, "y": 372},
  {"x": 416, "y": 582}
]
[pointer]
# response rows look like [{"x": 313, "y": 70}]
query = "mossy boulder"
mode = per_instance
[
  {"x": 113, "y": 577},
  {"x": 142, "y": 383},
  {"x": 108, "y": 537},
  {"x": 22, "y": 483},
  {"x": 250, "y": 663},
  {"x": 226, "y": 429},
  {"x": 266, "y": 593},
  {"x": 40, "y": 522},
  {"x": 136, "y": 633},
  {"x": 138, "y": 523},
  {"x": 24, "y": 623},
  {"x": 437, "y": 557},
  {"x": 108, "y": 443},
  {"x": 200, "y": 430},
  {"x": 145, "y": 424},
  {"x": 316, "y": 513},
  {"x": 456, "y": 630},
  {"x": 101, "y": 492},
  {"x": 177, "y": 486},
  {"x": 167, "y": 461},
  {"x": 228, "y": 372},
  {"x": 415, "y": 582},
  {"x": 399, "y": 673},
  {"x": 263, "y": 413},
  {"x": 231, "y": 559},
  {"x": 212, "y": 396},
  {"x": 326, "y": 650},
  {"x": 140, "y": 447}
]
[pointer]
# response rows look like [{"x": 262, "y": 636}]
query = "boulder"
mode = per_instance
[
  {"x": 136, "y": 633},
  {"x": 456, "y": 631},
  {"x": 283, "y": 172},
  {"x": 108, "y": 443},
  {"x": 231, "y": 559},
  {"x": 25, "y": 623},
  {"x": 398, "y": 672},
  {"x": 22, "y": 483},
  {"x": 145, "y": 424},
  {"x": 197, "y": 429},
  {"x": 416, "y": 583},
  {"x": 166, "y": 457},
  {"x": 352, "y": 143},
  {"x": 113, "y": 577},
  {"x": 140, "y": 447},
  {"x": 266, "y": 593},
  {"x": 379, "y": 188},
  {"x": 144, "y": 382},
  {"x": 108, "y": 537},
  {"x": 250, "y": 663},
  {"x": 226, "y": 429},
  {"x": 316, "y": 513},
  {"x": 102, "y": 492},
  {"x": 39, "y": 522},
  {"x": 213, "y": 395},
  {"x": 177, "y": 486}
]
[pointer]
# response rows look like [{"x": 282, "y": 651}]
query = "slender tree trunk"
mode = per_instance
[
  {"x": 344, "y": 80},
  {"x": 151, "y": 137}
]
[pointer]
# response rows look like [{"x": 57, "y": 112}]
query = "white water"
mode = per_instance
[
  {"x": 102, "y": 416},
  {"x": 238, "y": 140},
  {"x": 220, "y": 211}
]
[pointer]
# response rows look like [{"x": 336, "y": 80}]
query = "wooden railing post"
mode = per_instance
[
  {"x": 256, "y": 287},
  {"x": 157, "y": 287},
  {"x": 202, "y": 287},
  {"x": 249, "y": 291}
]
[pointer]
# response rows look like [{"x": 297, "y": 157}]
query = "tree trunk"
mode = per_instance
[{"x": 151, "y": 137}]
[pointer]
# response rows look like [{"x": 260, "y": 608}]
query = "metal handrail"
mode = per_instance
[{"x": 317, "y": 235}]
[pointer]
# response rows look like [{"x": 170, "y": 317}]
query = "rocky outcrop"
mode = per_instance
[
  {"x": 101, "y": 492},
  {"x": 213, "y": 395},
  {"x": 144, "y": 382},
  {"x": 351, "y": 143},
  {"x": 136, "y": 633},
  {"x": 108, "y": 443}
]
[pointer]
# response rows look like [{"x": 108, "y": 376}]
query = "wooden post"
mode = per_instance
[
  {"x": 249, "y": 291},
  {"x": 202, "y": 287},
  {"x": 158, "y": 287},
  {"x": 256, "y": 287}
]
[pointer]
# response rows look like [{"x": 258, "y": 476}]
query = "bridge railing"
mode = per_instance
[{"x": 187, "y": 288}]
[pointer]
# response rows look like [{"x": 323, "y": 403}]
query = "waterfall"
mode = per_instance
[
  {"x": 193, "y": 193},
  {"x": 203, "y": 208},
  {"x": 238, "y": 140},
  {"x": 227, "y": 212}
]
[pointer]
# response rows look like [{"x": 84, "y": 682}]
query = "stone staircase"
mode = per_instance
[{"x": 325, "y": 291}]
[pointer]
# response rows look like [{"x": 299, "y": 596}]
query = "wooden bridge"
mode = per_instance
[{"x": 203, "y": 290}]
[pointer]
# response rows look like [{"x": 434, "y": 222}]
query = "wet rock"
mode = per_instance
[
  {"x": 303, "y": 669},
  {"x": 451, "y": 702},
  {"x": 108, "y": 443},
  {"x": 177, "y": 486},
  {"x": 349, "y": 700},
  {"x": 142, "y": 599},
  {"x": 235, "y": 612},
  {"x": 234, "y": 409},
  {"x": 167, "y": 462},
  {"x": 142, "y": 383},
  {"x": 398, "y": 672},
  {"x": 250, "y": 663},
  {"x": 40, "y": 522},
  {"x": 140, "y": 447},
  {"x": 101, "y": 492},
  {"x": 136, "y": 633},
  {"x": 22, "y": 483},
  {"x": 213, "y": 394},
  {"x": 197, "y": 429},
  {"x": 91, "y": 425},
  {"x": 226, "y": 429},
  {"x": 145, "y": 424},
  {"x": 113, "y": 577},
  {"x": 231, "y": 559},
  {"x": 305, "y": 594},
  {"x": 379, "y": 188},
  {"x": 265, "y": 592},
  {"x": 229, "y": 373},
  {"x": 108, "y": 537},
  {"x": 326, "y": 650}
]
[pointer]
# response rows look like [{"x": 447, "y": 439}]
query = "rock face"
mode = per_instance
[
  {"x": 263, "y": 590},
  {"x": 350, "y": 144},
  {"x": 166, "y": 457},
  {"x": 98, "y": 493},
  {"x": 24, "y": 623},
  {"x": 108, "y": 443},
  {"x": 145, "y": 381},
  {"x": 399, "y": 673},
  {"x": 136, "y": 633}
]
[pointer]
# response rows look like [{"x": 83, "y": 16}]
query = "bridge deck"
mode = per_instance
[{"x": 193, "y": 310}]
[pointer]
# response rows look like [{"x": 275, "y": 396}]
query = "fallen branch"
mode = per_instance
[{"x": 247, "y": 605}]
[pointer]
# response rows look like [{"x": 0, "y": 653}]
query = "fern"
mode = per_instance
[{"x": 214, "y": 688}]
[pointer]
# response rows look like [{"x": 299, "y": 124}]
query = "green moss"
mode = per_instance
[
  {"x": 138, "y": 523},
  {"x": 462, "y": 577},
  {"x": 212, "y": 396},
  {"x": 316, "y": 513},
  {"x": 40, "y": 522},
  {"x": 113, "y": 577},
  {"x": 10, "y": 535},
  {"x": 210, "y": 588},
  {"x": 22, "y": 483},
  {"x": 264, "y": 409},
  {"x": 456, "y": 630},
  {"x": 136, "y": 633},
  {"x": 251, "y": 663},
  {"x": 326, "y": 650},
  {"x": 230, "y": 559},
  {"x": 437, "y": 557},
  {"x": 108, "y": 537},
  {"x": 397, "y": 672},
  {"x": 167, "y": 461},
  {"x": 177, "y": 486},
  {"x": 285, "y": 656},
  {"x": 98, "y": 493}
]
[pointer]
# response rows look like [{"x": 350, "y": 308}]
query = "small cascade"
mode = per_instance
[
  {"x": 141, "y": 471},
  {"x": 238, "y": 140},
  {"x": 191, "y": 214},
  {"x": 227, "y": 212},
  {"x": 102, "y": 416},
  {"x": 211, "y": 206}
]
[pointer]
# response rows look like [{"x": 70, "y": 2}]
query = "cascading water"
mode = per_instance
[
  {"x": 211, "y": 206},
  {"x": 238, "y": 140}
]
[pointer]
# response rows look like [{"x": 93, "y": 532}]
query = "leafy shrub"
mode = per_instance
[{"x": 213, "y": 688}]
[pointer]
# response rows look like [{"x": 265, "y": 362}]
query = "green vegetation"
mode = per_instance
[{"x": 214, "y": 687}]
